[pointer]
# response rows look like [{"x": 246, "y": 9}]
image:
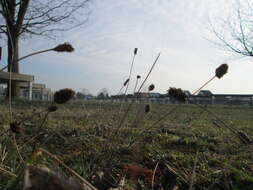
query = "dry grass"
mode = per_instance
[{"x": 91, "y": 144}]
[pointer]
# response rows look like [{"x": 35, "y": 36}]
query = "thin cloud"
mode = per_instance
[{"x": 103, "y": 50}]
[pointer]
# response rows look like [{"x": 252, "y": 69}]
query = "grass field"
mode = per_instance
[{"x": 189, "y": 149}]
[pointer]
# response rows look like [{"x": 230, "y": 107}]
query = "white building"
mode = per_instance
[{"x": 28, "y": 89}]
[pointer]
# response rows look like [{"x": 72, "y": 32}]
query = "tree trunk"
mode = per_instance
[
  {"x": 13, "y": 30},
  {"x": 13, "y": 65}
]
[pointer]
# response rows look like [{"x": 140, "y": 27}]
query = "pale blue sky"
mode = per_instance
[{"x": 104, "y": 49}]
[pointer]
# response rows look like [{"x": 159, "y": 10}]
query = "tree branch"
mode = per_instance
[
  {"x": 235, "y": 32},
  {"x": 43, "y": 14},
  {"x": 21, "y": 13},
  {"x": 3, "y": 29},
  {"x": 242, "y": 39}
]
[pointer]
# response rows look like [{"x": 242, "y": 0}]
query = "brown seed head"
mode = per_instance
[
  {"x": 15, "y": 127},
  {"x": 135, "y": 51},
  {"x": 52, "y": 108},
  {"x": 177, "y": 93},
  {"x": 125, "y": 83},
  {"x": 244, "y": 137},
  {"x": 221, "y": 70},
  {"x": 147, "y": 108},
  {"x": 66, "y": 47},
  {"x": 151, "y": 87},
  {"x": 138, "y": 76},
  {"x": 63, "y": 95}
]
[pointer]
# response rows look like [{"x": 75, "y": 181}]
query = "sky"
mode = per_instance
[{"x": 104, "y": 49}]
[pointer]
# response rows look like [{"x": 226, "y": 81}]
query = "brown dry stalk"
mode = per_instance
[
  {"x": 219, "y": 72},
  {"x": 126, "y": 83},
  {"x": 232, "y": 129},
  {"x": 151, "y": 69},
  {"x": 131, "y": 104},
  {"x": 136, "y": 83},
  {"x": 131, "y": 68},
  {"x": 65, "y": 47},
  {"x": 35, "y": 53},
  {"x": 8, "y": 172},
  {"x": 153, "y": 176},
  {"x": 120, "y": 90},
  {"x": 204, "y": 85},
  {"x": 31, "y": 116},
  {"x": 29, "y": 141}
]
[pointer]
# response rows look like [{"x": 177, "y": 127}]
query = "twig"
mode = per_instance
[
  {"x": 129, "y": 78},
  {"x": 29, "y": 141},
  {"x": 8, "y": 172},
  {"x": 204, "y": 85},
  {"x": 43, "y": 121},
  {"x": 31, "y": 54},
  {"x": 120, "y": 90},
  {"x": 130, "y": 73},
  {"x": 35, "y": 53},
  {"x": 136, "y": 83},
  {"x": 153, "y": 176}
]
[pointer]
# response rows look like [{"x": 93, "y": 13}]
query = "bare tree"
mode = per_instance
[
  {"x": 36, "y": 17},
  {"x": 235, "y": 32}
]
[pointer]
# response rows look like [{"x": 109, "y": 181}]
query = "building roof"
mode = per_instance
[
  {"x": 205, "y": 93},
  {"x": 233, "y": 95},
  {"x": 187, "y": 93},
  {"x": 34, "y": 85},
  {"x": 4, "y": 77}
]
